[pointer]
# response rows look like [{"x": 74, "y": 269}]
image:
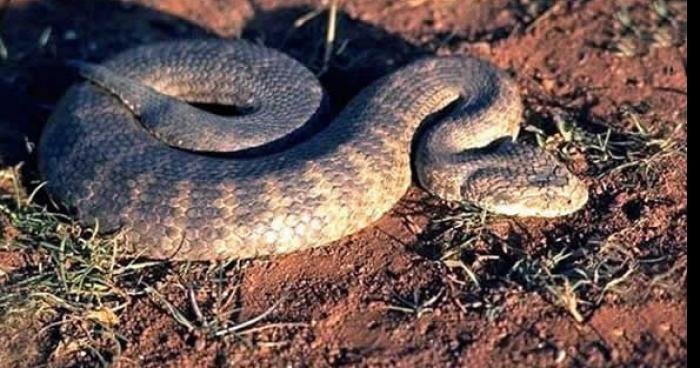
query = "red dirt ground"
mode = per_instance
[{"x": 334, "y": 301}]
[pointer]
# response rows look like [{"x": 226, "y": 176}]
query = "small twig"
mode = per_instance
[
  {"x": 542, "y": 17},
  {"x": 330, "y": 35},
  {"x": 195, "y": 307},
  {"x": 179, "y": 317},
  {"x": 467, "y": 270},
  {"x": 299, "y": 22},
  {"x": 274, "y": 325},
  {"x": 248, "y": 323}
]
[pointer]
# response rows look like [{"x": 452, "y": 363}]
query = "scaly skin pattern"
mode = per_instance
[{"x": 124, "y": 151}]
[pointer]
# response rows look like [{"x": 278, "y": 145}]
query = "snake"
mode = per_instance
[{"x": 133, "y": 149}]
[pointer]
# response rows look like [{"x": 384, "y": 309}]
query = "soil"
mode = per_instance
[{"x": 332, "y": 306}]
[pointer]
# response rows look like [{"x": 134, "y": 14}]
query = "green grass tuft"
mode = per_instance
[{"x": 76, "y": 278}]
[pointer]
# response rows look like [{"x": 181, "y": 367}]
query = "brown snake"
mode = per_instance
[{"x": 124, "y": 150}]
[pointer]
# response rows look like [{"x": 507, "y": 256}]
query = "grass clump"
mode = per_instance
[
  {"x": 576, "y": 278},
  {"x": 76, "y": 282},
  {"x": 635, "y": 153},
  {"x": 575, "y": 271},
  {"x": 571, "y": 276},
  {"x": 76, "y": 287},
  {"x": 205, "y": 302}
]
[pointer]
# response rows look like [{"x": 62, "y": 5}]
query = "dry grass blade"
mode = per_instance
[
  {"x": 415, "y": 306},
  {"x": 330, "y": 35},
  {"x": 172, "y": 309},
  {"x": 4, "y": 54},
  {"x": 463, "y": 266},
  {"x": 243, "y": 325}
]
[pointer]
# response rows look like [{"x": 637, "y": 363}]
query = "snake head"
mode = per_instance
[{"x": 528, "y": 183}]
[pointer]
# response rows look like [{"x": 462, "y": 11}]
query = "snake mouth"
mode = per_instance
[
  {"x": 536, "y": 207},
  {"x": 548, "y": 204}
]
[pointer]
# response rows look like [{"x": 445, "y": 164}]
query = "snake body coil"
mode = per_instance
[{"x": 125, "y": 150}]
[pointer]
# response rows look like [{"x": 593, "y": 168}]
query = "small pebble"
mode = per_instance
[
  {"x": 549, "y": 84},
  {"x": 665, "y": 327},
  {"x": 618, "y": 332}
]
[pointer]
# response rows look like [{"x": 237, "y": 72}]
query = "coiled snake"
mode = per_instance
[{"x": 124, "y": 150}]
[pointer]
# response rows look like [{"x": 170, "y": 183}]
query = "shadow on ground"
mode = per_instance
[{"x": 41, "y": 35}]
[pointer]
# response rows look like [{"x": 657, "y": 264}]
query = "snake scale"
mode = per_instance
[{"x": 126, "y": 151}]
